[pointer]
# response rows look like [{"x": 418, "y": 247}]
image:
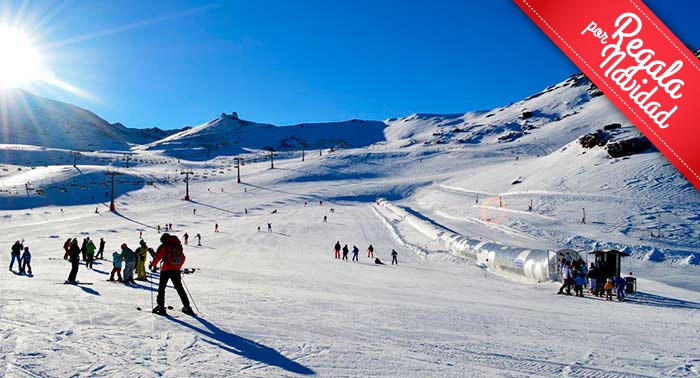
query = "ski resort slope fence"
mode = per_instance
[{"x": 517, "y": 263}]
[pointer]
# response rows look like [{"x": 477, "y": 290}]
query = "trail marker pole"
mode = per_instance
[{"x": 112, "y": 207}]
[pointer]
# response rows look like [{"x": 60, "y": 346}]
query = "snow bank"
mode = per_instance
[{"x": 533, "y": 265}]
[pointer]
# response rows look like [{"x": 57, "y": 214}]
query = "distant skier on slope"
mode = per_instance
[
  {"x": 378, "y": 262},
  {"x": 186, "y": 237},
  {"x": 269, "y": 227},
  {"x": 129, "y": 258},
  {"x": 26, "y": 261},
  {"x": 216, "y": 227},
  {"x": 66, "y": 247},
  {"x": 74, "y": 257},
  {"x": 101, "y": 249},
  {"x": 336, "y": 248},
  {"x": 370, "y": 251},
  {"x": 90, "y": 254},
  {"x": 394, "y": 259},
  {"x": 346, "y": 250},
  {"x": 116, "y": 266},
  {"x": 83, "y": 249},
  {"x": 355, "y": 253},
  {"x": 171, "y": 253},
  {"x": 325, "y": 219},
  {"x": 15, "y": 251},
  {"x": 199, "y": 239},
  {"x": 141, "y": 255}
]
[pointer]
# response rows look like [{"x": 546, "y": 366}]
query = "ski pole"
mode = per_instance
[{"x": 190, "y": 294}]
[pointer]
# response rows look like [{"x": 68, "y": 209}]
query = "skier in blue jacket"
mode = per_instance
[{"x": 26, "y": 261}]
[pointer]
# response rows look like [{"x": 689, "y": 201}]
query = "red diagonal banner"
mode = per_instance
[{"x": 638, "y": 63}]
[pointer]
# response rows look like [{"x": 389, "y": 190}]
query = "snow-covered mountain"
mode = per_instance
[
  {"x": 33, "y": 120},
  {"x": 230, "y": 135}
]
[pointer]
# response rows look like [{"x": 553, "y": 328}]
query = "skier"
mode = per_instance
[
  {"x": 199, "y": 240},
  {"x": 15, "y": 255},
  {"x": 116, "y": 266},
  {"x": 566, "y": 279},
  {"x": 152, "y": 253},
  {"x": 258, "y": 228},
  {"x": 320, "y": 203},
  {"x": 579, "y": 281},
  {"x": 129, "y": 258},
  {"x": 186, "y": 237},
  {"x": 246, "y": 211},
  {"x": 608, "y": 289},
  {"x": 74, "y": 257},
  {"x": 101, "y": 250},
  {"x": 345, "y": 252},
  {"x": 216, "y": 227},
  {"x": 269, "y": 227},
  {"x": 83, "y": 249},
  {"x": 394, "y": 260},
  {"x": 378, "y": 262},
  {"x": 170, "y": 227},
  {"x": 140, "y": 234},
  {"x": 66, "y": 246},
  {"x": 194, "y": 211},
  {"x": 158, "y": 229},
  {"x": 171, "y": 253},
  {"x": 336, "y": 248},
  {"x": 325, "y": 219},
  {"x": 305, "y": 203},
  {"x": 26, "y": 261},
  {"x": 355, "y": 252},
  {"x": 620, "y": 283},
  {"x": 97, "y": 210},
  {"x": 370, "y": 251},
  {"x": 90, "y": 254},
  {"x": 141, "y": 254},
  {"x": 593, "y": 278}
]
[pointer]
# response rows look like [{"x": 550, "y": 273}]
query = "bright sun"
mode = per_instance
[{"x": 20, "y": 63}]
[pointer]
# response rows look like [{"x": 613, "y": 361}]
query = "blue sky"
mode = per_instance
[{"x": 174, "y": 63}]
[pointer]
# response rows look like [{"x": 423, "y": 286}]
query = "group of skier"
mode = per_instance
[
  {"x": 575, "y": 274},
  {"x": 170, "y": 254},
  {"x": 356, "y": 251},
  {"x": 20, "y": 253}
]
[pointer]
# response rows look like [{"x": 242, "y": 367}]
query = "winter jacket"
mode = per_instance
[
  {"x": 16, "y": 249},
  {"x": 90, "y": 248},
  {"x": 579, "y": 280},
  {"x": 608, "y": 285},
  {"x": 161, "y": 255},
  {"x": 355, "y": 250},
  {"x": 565, "y": 272},
  {"x": 26, "y": 256},
  {"x": 128, "y": 255},
  {"x": 337, "y": 246},
  {"x": 142, "y": 253},
  {"x": 74, "y": 252},
  {"x": 117, "y": 259}
]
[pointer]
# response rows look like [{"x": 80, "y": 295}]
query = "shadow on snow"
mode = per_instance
[{"x": 243, "y": 347}]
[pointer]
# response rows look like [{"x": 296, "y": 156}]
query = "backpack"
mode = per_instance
[{"x": 174, "y": 255}]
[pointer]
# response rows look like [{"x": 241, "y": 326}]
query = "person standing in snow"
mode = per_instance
[
  {"x": 609, "y": 285},
  {"x": 579, "y": 281},
  {"x": 83, "y": 249},
  {"x": 170, "y": 227},
  {"x": 370, "y": 251},
  {"x": 355, "y": 253},
  {"x": 141, "y": 254},
  {"x": 269, "y": 227},
  {"x": 216, "y": 227},
  {"x": 620, "y": 284},
  {"x": 199, "y": 240},
  {"x": 26, "y": 261},
  {"x": 129, "y": 258},
  {"x": 394, "y": 259},
  {"x": 325, "y": 219},
  {"x": 74, "y": 258},
  {"x": 66, "y": 247},
  {"x": 346, "y": 250},
  {"x": 90, "y": 254},
  {"x": 336, "y": 248},
  {"x": 170, "y": 252},
  {"x": 15, "y": 252},
  {"x": 186, "y": 237},
  {"x": 158, "y": 228},
  {"x": 101, "y": 250},
  {"x": 194, "y": 211},
  {"x": 566, "y": 277},
  {"x": 116, "y": 267},
  {"x": 593, "y": 278}
]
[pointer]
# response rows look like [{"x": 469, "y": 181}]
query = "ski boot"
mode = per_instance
[
  {"x": 159, "y": 310},
  {"x": 188, "y": 310}
]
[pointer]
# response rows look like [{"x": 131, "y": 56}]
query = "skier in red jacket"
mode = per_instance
[{"x": 171, "y": 254}]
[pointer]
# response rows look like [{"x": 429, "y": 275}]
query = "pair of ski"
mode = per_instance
[{"x": 169, "y": 314}]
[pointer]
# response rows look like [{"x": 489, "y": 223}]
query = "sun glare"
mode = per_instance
[{"x": 20, "y": 63}]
